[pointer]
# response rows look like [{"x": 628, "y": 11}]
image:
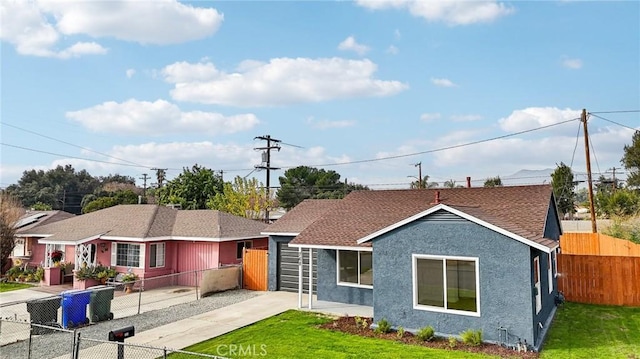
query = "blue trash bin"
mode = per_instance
[{"x": 74, "y": 307}]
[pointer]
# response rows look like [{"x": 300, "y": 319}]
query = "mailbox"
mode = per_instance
[{"x": 119, "y": 335}]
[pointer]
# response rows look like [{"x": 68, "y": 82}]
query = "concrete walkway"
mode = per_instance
[{"x": 186, "y": 332}]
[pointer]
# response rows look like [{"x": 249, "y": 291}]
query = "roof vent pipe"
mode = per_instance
[{"x": 468, "y": 182}]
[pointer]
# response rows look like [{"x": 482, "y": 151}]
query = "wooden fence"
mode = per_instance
[
  {"x": 254, "y": 269},
  {"x": 597, "y": 244},
  {"x": 596, "y": 279}
]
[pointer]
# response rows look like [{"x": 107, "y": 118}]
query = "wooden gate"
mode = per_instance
[{"x": 254, "y": 269}]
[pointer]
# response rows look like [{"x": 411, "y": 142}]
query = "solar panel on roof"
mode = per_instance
[{"x": 28, "y": 220}]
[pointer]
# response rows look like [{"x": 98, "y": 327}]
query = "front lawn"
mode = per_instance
[
  {"x": 594, "y": 331},
  {"x": 294, "y": 334},
  {"x": 9, "y": 286},
  {"x": 579, "y": 331}
]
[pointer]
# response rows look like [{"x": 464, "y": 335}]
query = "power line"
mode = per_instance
[
  {"x": 616, "y": 123},
  {"x": 441, "y": 148},
  {"x": 73, "y": 157},
  {"x": 619, "y": 111},
  {"x": 70, "y": 144}
]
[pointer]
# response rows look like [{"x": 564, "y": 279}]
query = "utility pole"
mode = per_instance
[
  {"x": 594, "y": 227},
  {"x": 144, "y": 188},
  {"x": 613, "y": 170},
  {"x": 221, "y": 172},
  {"x": 160, "y": 174},
  {"x": 266, "y": 165},
  {"x": 419, "y": 165}
]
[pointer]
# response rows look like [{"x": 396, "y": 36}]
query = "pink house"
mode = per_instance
[
  {"x": 151, "y": 240},
  {"x": 27, "y": 249}
]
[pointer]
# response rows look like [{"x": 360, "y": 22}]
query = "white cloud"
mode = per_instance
[
  {"x": 130, "y": 73},
  {"x": 573, "y": 64},
  {"x": 281, "y": 81},
  {"x": 397, "y": 34},
  {"x": 466, "y": 118},
  {"x": 443, "y": 82},
  {"x": 534, "y": 117},
  {"x": 39, "y": 27},
  {"x": 451, "y": 12},
  {"x": 392, "y": 50},
  {"x": 158, "y": 118},
  {"x": 350, "y": 44},
  {"x": 426, "y": 117},
  {"x": 326, "y": 124}
]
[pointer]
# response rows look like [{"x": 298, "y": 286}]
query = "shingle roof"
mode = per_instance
[
  {"x": 521, "y": 210},
  {"x": 302, "y": 215},
  {"x": 151, "y": 221},
  {"x": 46, "y": 218}
]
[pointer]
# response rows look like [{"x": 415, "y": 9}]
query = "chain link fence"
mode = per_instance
[
  {"x": 47, "y": 342},
  {"x": 46, "y": 327}
]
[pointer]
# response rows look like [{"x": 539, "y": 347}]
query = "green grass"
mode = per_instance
[
  {"x": 579, "y": 331},
  {"x": 6, "y": 287},
  {"x": 293, "y": 334},
  {"x": 594, "y": 331}
]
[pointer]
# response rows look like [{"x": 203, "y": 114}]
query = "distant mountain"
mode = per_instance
[{"x": 523, "y": 177}]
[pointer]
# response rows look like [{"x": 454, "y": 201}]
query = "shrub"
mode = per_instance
[
  {"x": 453, "y": 342},
  {"x": 358, "y": 321},
  {"x": 39, "y": 274},
  {"x": 426, "y": 333},
  {"x": 383, "y": 326},
  {"x": 400, "y": 332},
  {"x": 472, "y": 337}
]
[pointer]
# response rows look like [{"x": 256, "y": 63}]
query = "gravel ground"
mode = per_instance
[{"x": 59, "y": 343}]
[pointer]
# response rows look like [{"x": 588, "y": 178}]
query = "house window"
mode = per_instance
[
  {"x": 240, "y": 246},
  {"x": 128, "y": 255},
  {"x": 355, "y": 268},
  {"x": 550, "y": 271},
  {"x": 156, "y": 255},
  {"x": 446, "y": 284},
  {"x": 555, "y": 262}
]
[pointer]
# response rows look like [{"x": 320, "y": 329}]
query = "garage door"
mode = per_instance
[{"x": 288, "y": 268}]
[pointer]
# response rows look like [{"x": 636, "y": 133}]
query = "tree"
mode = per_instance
[
  {"x": 39, "y": 206},
  {"x": 110, "y": 200},
  {"x": 631, "y": 161},
  {"x": 424, "y": 183},
  {"x": 305, "y": 182},
  {"x": 192, "y": 188},
  {"x": 242, "y": 197},
  {"x": 493, "y": 182},
  {"x": 10, "y": 212},
  {"x": 563, "y": 189},
  {"x": 622, "y": 202}
]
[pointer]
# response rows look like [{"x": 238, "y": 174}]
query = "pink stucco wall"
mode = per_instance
[{"x": 228, "y": 250}]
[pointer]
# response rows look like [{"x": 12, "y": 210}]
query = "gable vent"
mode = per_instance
[{"x": 443, "y": 216}]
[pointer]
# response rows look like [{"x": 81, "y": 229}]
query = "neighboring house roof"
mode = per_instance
[
  {"x": 147, "y": 222},
  {"x": 301, "y": 216},
  {"x": 33, "y": 219},
  {"x": 519, "y": 212}
]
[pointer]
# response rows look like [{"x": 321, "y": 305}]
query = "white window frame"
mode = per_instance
[
  {"x": 555, "y": 262},
  {"x": 550, "y": 271},
  {"x": 537, "y": 286},
  {"x": 160, "y": 251},
  {"x": 349, "y": 284},
  {"x": 114, "y": 254},
  {"x": 244, "y": 246},
  {"x": 414, "y": 264}
]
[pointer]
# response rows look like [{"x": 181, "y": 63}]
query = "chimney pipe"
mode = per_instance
[
  {"x": 437, "y": 198},
  {"x": 468, "y": 182}
]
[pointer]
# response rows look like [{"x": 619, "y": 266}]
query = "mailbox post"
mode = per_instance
[{"x": 119, "y": 335}]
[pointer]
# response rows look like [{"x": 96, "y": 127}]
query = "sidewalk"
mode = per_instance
[{"x": 193, "y": 330}]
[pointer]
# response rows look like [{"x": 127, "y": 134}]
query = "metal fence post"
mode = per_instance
[
  {"x": 140, "y": 297},
  {"x": 196, "y": 273},
  {"x": 164, "y": 353},
  {"x": 30, "y": 336},
  {"x": 75, "y": 353}
]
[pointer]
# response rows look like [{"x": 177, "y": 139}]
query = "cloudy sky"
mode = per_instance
[{"x": 365, "y": 88}]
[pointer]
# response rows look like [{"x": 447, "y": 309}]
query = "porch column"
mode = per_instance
[
  {"x": 300, "y": 277},
  {"x": 310, "y": 277}
]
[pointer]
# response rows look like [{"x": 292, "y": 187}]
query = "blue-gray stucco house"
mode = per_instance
[{"x": 455, "y": 259}]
